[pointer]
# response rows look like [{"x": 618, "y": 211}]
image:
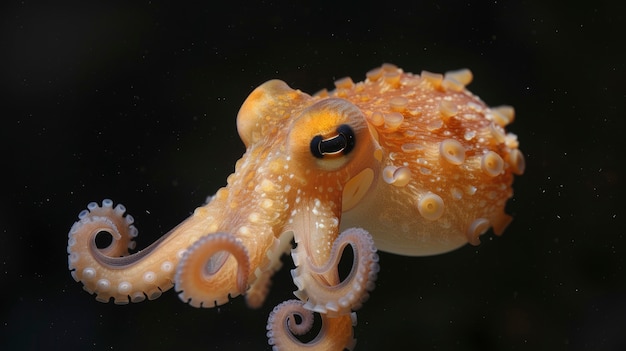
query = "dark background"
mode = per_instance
[{"x": 138, "y": 103}]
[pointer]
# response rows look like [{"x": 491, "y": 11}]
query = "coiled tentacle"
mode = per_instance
[
  {"x": 283, "y": 327},
  {"x": 129, "y": 278},
  {"x": 321, "y": 287},
  {"x": 203, "y": 277}
]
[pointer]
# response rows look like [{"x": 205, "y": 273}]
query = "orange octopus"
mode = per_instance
[{"x": 409, "y": 164}]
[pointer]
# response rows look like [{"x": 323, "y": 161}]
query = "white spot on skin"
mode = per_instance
[
  {"x": 267, "y": 203},
  {"x": 469, "y": 135},
  {"x": 243, "y": 230},
  {"x": 317, "y": 204},
  {"x": 471, "y": 190},
  {"x": 254, "y": 217},
  {"x": 474, "y": 106}
]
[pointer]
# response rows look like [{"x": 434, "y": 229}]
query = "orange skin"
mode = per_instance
[{"x": 417, "y": 161}]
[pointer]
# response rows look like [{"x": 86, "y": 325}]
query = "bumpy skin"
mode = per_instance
[{"x": 416, "y": 161}]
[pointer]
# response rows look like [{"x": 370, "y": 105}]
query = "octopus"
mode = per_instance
[{"x": 410, "y": 164}]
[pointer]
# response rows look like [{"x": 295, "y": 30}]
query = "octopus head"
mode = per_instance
[
  {"x": 329, "y": 148},
  {"x": 331, "y": 140}
]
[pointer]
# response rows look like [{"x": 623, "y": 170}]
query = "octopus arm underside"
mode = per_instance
[{"x": 206, "y": 269}]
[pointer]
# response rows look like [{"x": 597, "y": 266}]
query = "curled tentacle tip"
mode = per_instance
[
  {"x": 99, "y": 268},
  {"x": 204, "y": 275},
  {"x": 290, "y": 320},
  {"x": 84, "y": 255}
]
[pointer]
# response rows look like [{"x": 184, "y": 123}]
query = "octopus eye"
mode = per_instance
[{"x": 342, "y": 142}]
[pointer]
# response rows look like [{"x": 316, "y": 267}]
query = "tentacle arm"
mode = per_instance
[
  {"x": 224, "y": 265},
  {"x": 205, "y": 275},
  {"x": 111, "y": 272},
  {"x": 320, "y": 286},
  {"x": 256, "y": 294},
  {"x": 283, "y": 328},
  {"x": 317, "y": 256}
]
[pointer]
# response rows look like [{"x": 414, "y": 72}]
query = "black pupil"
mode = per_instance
[{"x": 342, "y": 142}]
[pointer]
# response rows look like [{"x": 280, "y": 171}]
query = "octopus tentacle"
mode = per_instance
[
  {"x": 321, "y": 288},
  {"x": 282, "y": 328},
  {"x": 102, "y": 271},
  {"x": 203, "y": 277},
  {"x": 256, "y": 294}
]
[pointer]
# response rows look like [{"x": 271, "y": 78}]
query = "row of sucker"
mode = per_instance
[
  {"x": 111, "y": 272},
  {"x": 291, "y": 319},
  {"x": 314, "y": 286}
]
